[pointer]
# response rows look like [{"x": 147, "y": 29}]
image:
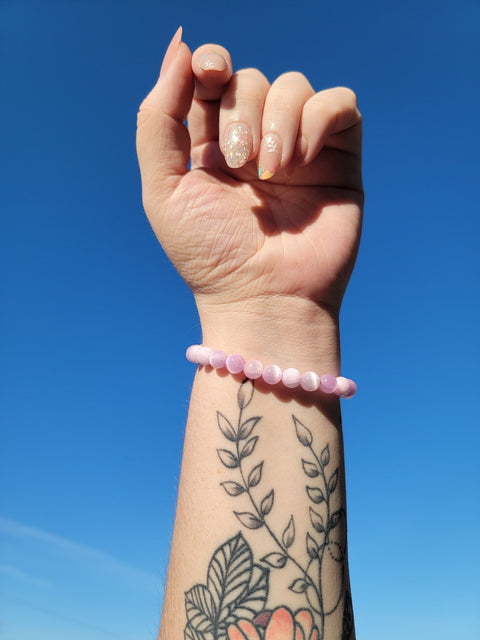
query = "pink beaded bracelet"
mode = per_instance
[{"x": 271, "y": 373}]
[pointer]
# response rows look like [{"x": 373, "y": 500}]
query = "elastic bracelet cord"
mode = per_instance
[{"x": 271, "y": 373}]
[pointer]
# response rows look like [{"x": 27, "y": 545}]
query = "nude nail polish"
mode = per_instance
[
  {"x": 238, "y": 144},
  {"x": 270, "y": 156},
  {"x": 213, "y": 62}
]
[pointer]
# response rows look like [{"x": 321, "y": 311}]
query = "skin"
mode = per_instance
[
  {"x": 268, "y": 262},
  {"x": 293, "y": 237}
]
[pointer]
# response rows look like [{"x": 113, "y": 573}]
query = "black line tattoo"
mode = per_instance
[
  {"x": 236, "y": 589},
  {"x": 232, "y": 603}
]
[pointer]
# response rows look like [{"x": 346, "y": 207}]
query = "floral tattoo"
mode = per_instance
[{"x": 233, "y": 604}]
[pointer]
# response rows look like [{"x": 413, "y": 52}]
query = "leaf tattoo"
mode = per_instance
[
  {"x": 304, "y": 434},
  {"x": 325, "y": 456},
  {"x": 247, "y": 427},
  {"x": 249, "y": 520},
  {"x": 255, "y": 475},
  {"x": 317, "y": 521},
  {"x": 200, "y": 608},
  {"x": 299, "y": 586},
  {"x": 288, "y": 535},
  {"x": 248, "y": 448},
  {"x": 237, "y": 588},
  {"x": 315, "y": 494},
  {"x": 232, "y": 488},
  {"x": 323, "y": 520},
  {"x": 245, "y": 395},
  {"x": 229, "y": 459},
  {"x": 267, "y": 503},
  {"x": 225, "y": 427},
  {"x": 275, "y": 560},
  {"x": 310, "y": 469},
  {"x": 332, "y": 483}
]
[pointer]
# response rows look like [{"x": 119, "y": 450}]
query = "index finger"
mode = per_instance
[{"x": 212, "y": 70}]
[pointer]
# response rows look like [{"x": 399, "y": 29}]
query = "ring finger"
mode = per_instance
[{"x": 281, "y": 118}]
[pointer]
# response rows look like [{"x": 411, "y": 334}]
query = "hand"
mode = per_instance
[{"x": 236, "y": 239}]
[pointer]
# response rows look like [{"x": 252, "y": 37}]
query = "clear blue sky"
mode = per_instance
[{"x": 92, "y": 419}]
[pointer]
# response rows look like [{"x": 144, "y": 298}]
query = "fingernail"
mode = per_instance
[
  {"x": 270, "y": 156},
  {"x": 171, "y": 51},
  {"x": 213, "y": 62},
  {"x": 238, "y": 144}
]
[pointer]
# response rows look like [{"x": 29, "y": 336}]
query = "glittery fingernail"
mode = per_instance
[
  {"x": 213, "y": 62},
  {"x": 238, "y": 144},
  {"x": 270, "y": 156}
]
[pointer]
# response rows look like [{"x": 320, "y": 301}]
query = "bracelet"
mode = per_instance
[{"x": 272, "y": 373}]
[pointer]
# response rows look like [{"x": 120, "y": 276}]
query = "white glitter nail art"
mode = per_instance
[
  {"x": 272, "y": 144},
  {"x": 213, "y": 62},
  {"x": 238, "y": 144},
  {"x": 207, "y": 64}
]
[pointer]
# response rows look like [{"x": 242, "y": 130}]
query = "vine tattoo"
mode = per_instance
[{"x": 232, "y": 605}]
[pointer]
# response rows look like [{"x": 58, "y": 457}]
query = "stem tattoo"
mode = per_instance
[{"x": 232, "y": 604}]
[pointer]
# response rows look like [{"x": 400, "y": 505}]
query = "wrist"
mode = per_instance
[{"x": 285, "y": 330}]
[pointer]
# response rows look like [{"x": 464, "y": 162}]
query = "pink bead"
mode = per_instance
[
  {"x": 203, "y": 355},
  {"x": 310, "y": 381},
  {"x": 218, "y": 359},
  {"x": 253, "y": 369},
  {"x": 192, "y": 353},
  {"x": 272, "y": 374},
  {"x": 291, "y": 378},
  {"x": 235, "y": 363},
  {"x": 353, "y": 389},
  {"x": 343, "y": 386},
  {"x": 328, "y": 383}
]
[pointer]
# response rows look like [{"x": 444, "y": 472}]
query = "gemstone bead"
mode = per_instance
[
  {"x": 253, "y": 369},
  {"x": 235, "y": 363},
  {"x": 353, "y": 389},
  {"x": 218, "y": 359},
  {"x": 192, "y": 353},
  {"x": 310, "y": 381},
  {"x": 203, "y": 355},
  {"x": 291, "y": 377},
  {"x": 272, "y": 374},
  {"x": 343, "y": 386},
  {"x": 328, "y": 383}
]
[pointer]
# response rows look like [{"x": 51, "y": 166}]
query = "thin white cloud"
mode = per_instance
[
  {"x": 18, "y": 574},
  {"x": 100, "y": 560}
]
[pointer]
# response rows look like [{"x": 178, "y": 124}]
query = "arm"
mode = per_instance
[{"x": 259, "y": 547}]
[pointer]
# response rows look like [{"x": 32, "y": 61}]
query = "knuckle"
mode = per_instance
[
  {"x": 250, "y": 75},
  {"x": 145, "y": 111},
  {"x": 291, "y": 77},
  {"x": 336, "y": 104},
  {"x": 349, "y": 97},
  {"x": 246, "y": 86}
]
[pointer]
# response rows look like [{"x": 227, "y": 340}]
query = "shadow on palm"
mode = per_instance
[{"x": 287, "y": 235}]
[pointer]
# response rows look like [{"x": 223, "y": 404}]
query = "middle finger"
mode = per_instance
[{"x": 241, "y": 117}]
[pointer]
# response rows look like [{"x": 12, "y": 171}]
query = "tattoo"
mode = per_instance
[
  {"x": 232, "y": 603},
  {"x": 236, "y": 589}
]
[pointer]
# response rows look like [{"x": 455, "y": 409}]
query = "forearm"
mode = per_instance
[{"x": 262, "y": 477}]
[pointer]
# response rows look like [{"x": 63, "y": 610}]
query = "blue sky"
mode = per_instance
[{"x": 92, "y": 312}]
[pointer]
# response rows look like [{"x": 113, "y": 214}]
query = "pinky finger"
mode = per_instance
[{"x": 329, "y": 112}]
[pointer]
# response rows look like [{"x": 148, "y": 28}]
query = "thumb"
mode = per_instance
[{"x": 163, "y": 142}]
